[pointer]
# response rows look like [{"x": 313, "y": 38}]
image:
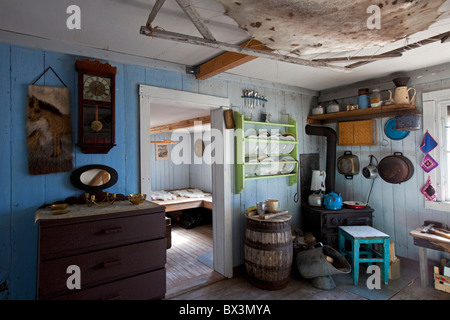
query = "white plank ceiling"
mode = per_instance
[{"x": 112, "y": 26}]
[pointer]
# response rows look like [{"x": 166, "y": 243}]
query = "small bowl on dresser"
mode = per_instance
[{"x": 137, "y": 198}]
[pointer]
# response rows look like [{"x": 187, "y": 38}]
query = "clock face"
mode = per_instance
[{"x": 96, "y": 88}]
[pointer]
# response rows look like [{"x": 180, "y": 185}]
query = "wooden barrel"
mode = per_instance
[{"x": 268, "y": 252}]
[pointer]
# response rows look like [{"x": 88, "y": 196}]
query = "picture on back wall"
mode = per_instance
[{"x": 49, "y": 130}]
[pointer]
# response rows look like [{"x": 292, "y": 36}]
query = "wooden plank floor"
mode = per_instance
[
  {"x": 182, "y": 264},
  {"x": 238, "y": 288}
]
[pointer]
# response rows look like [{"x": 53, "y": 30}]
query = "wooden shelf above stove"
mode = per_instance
[{"x": 365, "y": 114}]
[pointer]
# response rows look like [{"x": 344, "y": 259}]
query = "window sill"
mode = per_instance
[{"x": 438, "y": 205}]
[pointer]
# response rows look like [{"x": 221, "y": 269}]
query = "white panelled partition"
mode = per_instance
[{"x": 221, "y": 190}]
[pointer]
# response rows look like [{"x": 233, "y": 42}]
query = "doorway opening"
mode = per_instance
[{"x": 202, "y": 253}]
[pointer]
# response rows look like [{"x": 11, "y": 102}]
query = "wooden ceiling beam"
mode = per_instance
[
  {"x": 228, "y": 60},
  {"x": 361, "y": 58},
  {"x": 406, "y": 48},
  {"x": 184, "y": 124},
  {"x": 195, "y": 18},
  {"x": 187, "y": 39},
  {"x": 154, "y": 12}
]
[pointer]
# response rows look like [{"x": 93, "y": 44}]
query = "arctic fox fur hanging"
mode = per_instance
[{"x": 49, "y": 130}]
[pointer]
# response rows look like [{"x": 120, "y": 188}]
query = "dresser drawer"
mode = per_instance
[
  {"x": 102, "y": 266},
  {"x": 148, "y": 286},
  {"x": 74, "y": 238}
]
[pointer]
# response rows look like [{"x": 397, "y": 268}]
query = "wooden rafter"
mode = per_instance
[
  {"x": 173, "y": 36},
  {"x": 195, "y": 18},
  {"x": 164, "y": 141},
  {"x": 209, "y": 40},
  {"x": 180, "y": 125},
  {"x": 239, "y": 54},
  {"x": 441, "y": 37},
  {"x": 361, "y": 58},
  {"x": 228, "y": 60},
  {"x": 154, "y": 12}
]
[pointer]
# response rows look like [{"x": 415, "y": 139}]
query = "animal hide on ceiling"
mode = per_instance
[
  {"x": 49, "y": 130},
  {"x": 320, "y": 26}
]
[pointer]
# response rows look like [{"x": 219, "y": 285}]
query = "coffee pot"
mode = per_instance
[
  {"x": 402, "y": 95},
  {"x": 317, "y": 186}
]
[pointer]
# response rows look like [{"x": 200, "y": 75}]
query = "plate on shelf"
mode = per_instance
[
  {"x": 266, "y": 167},
  {"x": 250, "y": 133},
  {"x": 251, "y": 148},
  {"x": 289, "y": 134},
  {"x": 276, "y": 136},
  {"x": 392, "y": 133},
  {"x": 250, "y": 168},
  {"x": 288, "y": 167},
  {"x": 288, "y": 146},
  {"x": 263, "y": 134},
  {"x": 263, "y": 146}
]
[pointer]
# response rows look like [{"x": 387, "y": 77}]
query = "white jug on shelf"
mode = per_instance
[{"x": 402, "y": 95}]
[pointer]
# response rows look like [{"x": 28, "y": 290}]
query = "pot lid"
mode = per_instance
[{"x": 392, "y": 133}]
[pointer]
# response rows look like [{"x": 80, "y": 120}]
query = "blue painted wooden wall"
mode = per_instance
[{"x": 21, "y": 193}]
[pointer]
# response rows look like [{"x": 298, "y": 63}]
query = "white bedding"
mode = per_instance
[{"x": 174, "y": 194}]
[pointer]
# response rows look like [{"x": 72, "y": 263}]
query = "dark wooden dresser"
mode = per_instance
[{"x": 120, "y": 251}]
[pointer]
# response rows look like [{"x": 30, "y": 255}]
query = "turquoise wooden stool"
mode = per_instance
[{"x": 359, "y": 235}]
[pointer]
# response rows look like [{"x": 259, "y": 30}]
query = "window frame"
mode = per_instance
[{"x": 433, "y": 120}]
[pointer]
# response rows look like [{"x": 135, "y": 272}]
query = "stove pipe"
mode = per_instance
[{"x": 330, "y": 134}]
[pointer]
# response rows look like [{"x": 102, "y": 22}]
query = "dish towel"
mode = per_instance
[
  {"x": 428, "y": 190},
  {"x": 428, "y": 143},
  {"x": 428, "y": 163}
]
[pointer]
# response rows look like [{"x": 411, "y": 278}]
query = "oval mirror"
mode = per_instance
[{"x": 94, "y": 177}]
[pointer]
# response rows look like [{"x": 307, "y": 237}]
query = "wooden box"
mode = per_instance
[
  {"x": 357, "y": 133},
  {"x": 441, "y": 282}
]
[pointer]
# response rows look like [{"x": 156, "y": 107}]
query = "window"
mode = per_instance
[
  {"x": 436, "y": 119},
  {"x": 447, "y": 152}
]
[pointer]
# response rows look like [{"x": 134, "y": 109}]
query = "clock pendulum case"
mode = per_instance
[{"x": 96, "y": 106}]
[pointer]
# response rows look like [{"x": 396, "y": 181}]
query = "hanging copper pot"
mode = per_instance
[{"x": 395, "y": 168}]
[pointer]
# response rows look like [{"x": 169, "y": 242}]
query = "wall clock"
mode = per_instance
[{"x": 96, "y": 106}]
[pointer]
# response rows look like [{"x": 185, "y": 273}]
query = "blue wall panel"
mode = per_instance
[
  {"x": 5, "y": 167},
  {"x": 23, "y": 193}
]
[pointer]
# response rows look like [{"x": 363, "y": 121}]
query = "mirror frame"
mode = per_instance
[{"x": 75, "y": 177}]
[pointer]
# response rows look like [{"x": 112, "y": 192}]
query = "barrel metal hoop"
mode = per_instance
[{"x": 268, "y": 246}]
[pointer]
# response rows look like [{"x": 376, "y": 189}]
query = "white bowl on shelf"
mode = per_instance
[
  {"x": 250, "y": 169},
  {"x": 288, "y": 167}
]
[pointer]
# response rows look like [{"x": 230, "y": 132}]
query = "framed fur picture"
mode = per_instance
[{"x": 49, "y": 130}]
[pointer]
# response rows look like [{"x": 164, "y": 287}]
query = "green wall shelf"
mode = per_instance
[{"x": 242, "y": 159}]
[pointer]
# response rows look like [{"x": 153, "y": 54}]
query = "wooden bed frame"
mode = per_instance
[{"x": 182, "y": 203}]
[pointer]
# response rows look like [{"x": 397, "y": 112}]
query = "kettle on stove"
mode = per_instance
[{"x": 332, "y": 201}]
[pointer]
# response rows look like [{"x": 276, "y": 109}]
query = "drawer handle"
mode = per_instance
[
  {"x": 116, "y": 297},
  {"x": 112, "y": 230},
  {"x": 111, "y": 263}
]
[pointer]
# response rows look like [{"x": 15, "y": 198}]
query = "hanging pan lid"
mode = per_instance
[{"x": 392, "y": 133}]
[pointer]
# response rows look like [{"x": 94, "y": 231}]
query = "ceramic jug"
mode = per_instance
[
  {"x": 402, "y": 95},
  {"x": 318, "y": 180}
]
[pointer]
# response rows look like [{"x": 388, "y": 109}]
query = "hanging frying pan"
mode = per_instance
[{"x": 395, "y": 168}]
